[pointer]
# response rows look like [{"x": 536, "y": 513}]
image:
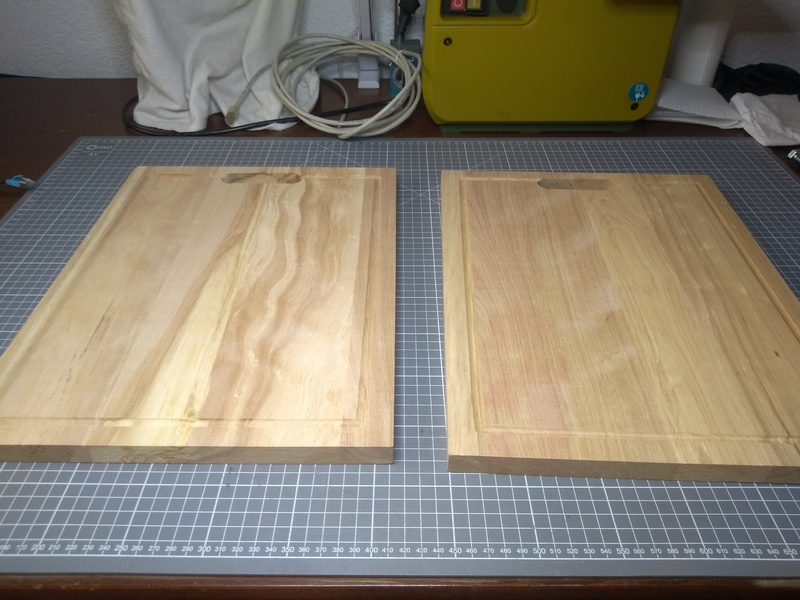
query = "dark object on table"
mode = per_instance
[{"x": 760, "y": 79}]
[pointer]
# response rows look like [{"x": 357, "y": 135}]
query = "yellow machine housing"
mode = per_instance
[{"x": 544, "y": 61}]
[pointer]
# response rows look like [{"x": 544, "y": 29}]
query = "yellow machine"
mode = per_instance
[{"x": 544, "y": 61}]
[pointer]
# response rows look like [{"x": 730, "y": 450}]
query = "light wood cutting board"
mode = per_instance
[
  {"x": 614, "y": 326},
  {"x": 216, "y": 315}
]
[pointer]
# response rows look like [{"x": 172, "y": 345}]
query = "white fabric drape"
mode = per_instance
[{"x": 194, "y": 58}]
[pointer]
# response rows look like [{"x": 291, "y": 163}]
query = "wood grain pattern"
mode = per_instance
[
  {"x": 617, "y": 326},
  {"x": 216, "y": 315}
]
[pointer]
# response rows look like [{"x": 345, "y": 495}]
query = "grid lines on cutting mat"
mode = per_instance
[{"x": 411, "y": 517}]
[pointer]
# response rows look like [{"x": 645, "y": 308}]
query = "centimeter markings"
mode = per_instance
[{"x": 362, "y": 550}]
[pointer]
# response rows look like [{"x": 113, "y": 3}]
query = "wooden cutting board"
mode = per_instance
[
  {"x": 216, "y": 315},
  {"x": 614, "y": 326}
]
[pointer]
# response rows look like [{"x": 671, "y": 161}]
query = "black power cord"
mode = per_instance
[
  {"x": 130, "y": 123},
  {"x": 405, "y": 10}
]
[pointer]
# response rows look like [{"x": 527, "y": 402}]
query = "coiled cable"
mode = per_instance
[{"x": 304, "y": 53}]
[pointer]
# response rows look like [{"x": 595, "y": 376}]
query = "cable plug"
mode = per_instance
[
  {"x": 406, "y": 9},
  {"x": 232, "y": 115}
]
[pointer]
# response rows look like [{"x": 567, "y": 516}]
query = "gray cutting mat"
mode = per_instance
[{"x": 412, "y": 517}]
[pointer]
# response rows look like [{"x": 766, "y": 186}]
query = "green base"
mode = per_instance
[{"x": 454, "y": 128}]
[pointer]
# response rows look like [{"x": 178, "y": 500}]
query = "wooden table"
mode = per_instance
[{"x": 40, "y": 119}]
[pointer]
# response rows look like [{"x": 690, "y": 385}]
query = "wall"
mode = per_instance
[
  {"x": 765, "y": 31},
  {"x": 82, "y": 38}
]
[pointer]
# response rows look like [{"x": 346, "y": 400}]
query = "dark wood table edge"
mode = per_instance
[{"x": 122, "y": 587}]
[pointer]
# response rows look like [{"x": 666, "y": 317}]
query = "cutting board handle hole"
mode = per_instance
[
  {"x": 574, "y": 184},
  {"x": 261, "y": 178}
]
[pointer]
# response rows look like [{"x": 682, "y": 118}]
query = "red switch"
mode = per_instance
[{"x": 458, "y": 5}]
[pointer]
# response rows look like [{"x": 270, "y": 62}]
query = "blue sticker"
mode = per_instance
[{"x": 638, "y": 92}]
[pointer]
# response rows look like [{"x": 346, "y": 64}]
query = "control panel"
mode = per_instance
[{"x": 483, "y": 8}]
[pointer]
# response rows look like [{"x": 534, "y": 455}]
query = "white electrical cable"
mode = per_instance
[{"x": 304, "y": 53}]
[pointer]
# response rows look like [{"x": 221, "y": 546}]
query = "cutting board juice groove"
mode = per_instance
[
  {"x": 216, "y": 315},
  {"x": 614, "y": 326}
]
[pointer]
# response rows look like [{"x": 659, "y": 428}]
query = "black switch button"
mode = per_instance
[{"x": 507, "y": 6}]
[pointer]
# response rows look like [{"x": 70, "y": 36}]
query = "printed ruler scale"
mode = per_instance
[{"x": 411, "y": 517}]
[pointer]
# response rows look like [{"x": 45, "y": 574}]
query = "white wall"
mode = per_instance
[
  {"x": 82, "y": 38},
  {"x": 52, "y": 38},
  {"x": 765, "y": 31}
]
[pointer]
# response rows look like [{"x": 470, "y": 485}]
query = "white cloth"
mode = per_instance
[
  {"x": 681, "y": 102},
  {"x": 772, "y": 120},
  {"x": 194, "y": 57}
]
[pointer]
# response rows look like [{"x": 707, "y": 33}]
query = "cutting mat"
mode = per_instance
[
  {"x": 614, "y": 325},
  {"x": 216, "y": 315},
  {"x": 411, "y": 517}
]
